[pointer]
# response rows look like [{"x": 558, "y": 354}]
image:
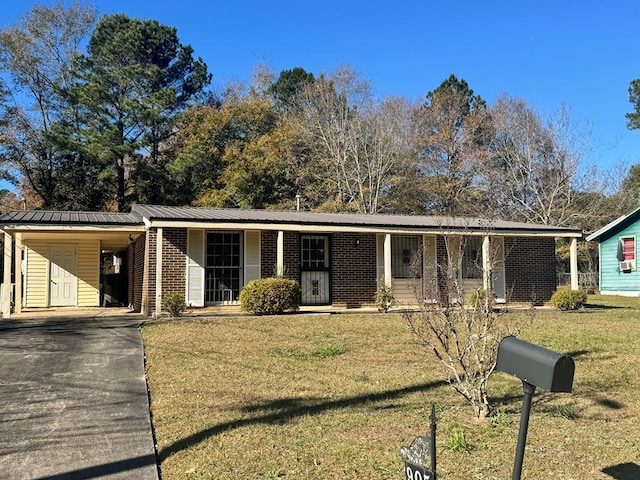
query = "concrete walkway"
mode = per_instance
[{"x": 73, "y": 399}]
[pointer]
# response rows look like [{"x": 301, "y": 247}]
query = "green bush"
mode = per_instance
[
  {"x": 174, "y": 304},
  {"x": 480, "y": 297},
  {"x": 270, "y": 296},
  {"x": 569, "y": 299},
  {"x": 384, "y": 296}
]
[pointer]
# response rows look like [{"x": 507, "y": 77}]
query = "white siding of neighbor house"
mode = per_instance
[{"x": 36, "y": 288}]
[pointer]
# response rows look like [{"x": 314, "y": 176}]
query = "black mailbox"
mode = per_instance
[{"x": 535, "y": 365}]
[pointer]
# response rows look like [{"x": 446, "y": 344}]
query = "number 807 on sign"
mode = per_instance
[{"x": 414, "y": 472}]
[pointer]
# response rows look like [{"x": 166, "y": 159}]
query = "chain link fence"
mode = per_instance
[{"x": 588, "y": 281}]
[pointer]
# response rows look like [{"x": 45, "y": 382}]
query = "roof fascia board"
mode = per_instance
[
  {"x": 469, "y": 231},
  {"x": 72, "y": 228},
  {"x": 609, "y": 229}
]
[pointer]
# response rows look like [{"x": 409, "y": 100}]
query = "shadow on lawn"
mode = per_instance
[
  {"x": 624, "y": 471},
  {"x": 289, "y": 409}
]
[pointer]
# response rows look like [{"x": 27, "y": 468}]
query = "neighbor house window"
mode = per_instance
[
  {"x": 404, "y": 253},
  {"x": 628, "y": 248},
  {"x": 627, "y": 254}
]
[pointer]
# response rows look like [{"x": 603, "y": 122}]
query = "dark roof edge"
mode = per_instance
[{"x": 617, "y": 225}]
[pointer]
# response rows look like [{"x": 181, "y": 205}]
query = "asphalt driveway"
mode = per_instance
[{"x": 73, "y": 399}]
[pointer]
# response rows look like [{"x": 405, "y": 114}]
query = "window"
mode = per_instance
[
  {"x": 315, "y": 252},
  {"x": 628, "y": 249},
  {"x": 404, "y": 251},
  {"x": 224, "y": 266},
  {"x": 472, "y": 258},
  {"x": 627, "y": 254}
]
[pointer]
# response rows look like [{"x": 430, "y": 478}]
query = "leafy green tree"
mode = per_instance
[
  {"x": 35, "y": 56},
  {"x": 133, "y": 81},
  {"x": 235, "y": 154}
]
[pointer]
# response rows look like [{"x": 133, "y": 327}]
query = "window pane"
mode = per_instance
[
  {"x": 404, "y": 252},
  {"x": 315, "y": 255},
  {"x": 472, "y": 258},
  {"x": 628, "y": 249},
  {"x": 224, "y": 266}
]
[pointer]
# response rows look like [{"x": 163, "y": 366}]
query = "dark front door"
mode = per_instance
[{"x": 315, "y": 270}]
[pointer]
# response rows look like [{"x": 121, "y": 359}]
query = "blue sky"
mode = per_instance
[{"x": 582, "y": 54}]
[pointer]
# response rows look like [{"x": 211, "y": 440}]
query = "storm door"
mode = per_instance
[
  {"x": 315, "y": 270},
  {"x": 223, "y": 273}
]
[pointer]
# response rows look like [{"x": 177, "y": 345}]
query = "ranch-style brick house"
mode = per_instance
[{"x": 96, "y": 259}]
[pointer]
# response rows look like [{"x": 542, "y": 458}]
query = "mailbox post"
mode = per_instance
[
  {"x": 415, "y": 455},
  {"x": 536, "y": 367}
]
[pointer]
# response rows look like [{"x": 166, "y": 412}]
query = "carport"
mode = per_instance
[{"x": 67, "y": 259}]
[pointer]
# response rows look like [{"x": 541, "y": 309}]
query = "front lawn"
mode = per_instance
[{"x": 336, "y": 396}]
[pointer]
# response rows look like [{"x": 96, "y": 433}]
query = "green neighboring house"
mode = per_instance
[{"x": 618, "y": 253}]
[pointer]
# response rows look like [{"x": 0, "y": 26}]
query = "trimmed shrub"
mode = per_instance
[
  {"x": 174, "y": 304},
  {"x": 270, "y": 296},
  {"x": 569, "y": 299}
]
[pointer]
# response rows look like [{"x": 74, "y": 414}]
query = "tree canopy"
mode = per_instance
[
  {"x": 100, "y": 115},
  {"x": 133, "y": 81}
]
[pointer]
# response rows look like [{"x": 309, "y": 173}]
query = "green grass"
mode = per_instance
[{"x": 336, "y": 396}]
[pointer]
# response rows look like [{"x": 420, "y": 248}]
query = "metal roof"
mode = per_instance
[
  {"x": 48, "y": 217},
  {"x": 162, "y": 215},
  {"x": 156, "y": 213}
]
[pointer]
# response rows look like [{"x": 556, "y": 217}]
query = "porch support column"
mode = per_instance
[
  {"x": 158, "y": 302},
  {"x": 486, "y": 263},
  {"x": 280, "y": 254},
  {"x": 6, "y": 279},
  {"x": 387, "y": 260},
  {"x": 574, "y": 264},
  {"x": 17, "y": 272}
]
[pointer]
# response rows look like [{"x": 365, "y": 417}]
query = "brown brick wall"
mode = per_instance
[
  {"x": 530, "y": 266},
  {"x": 148, "y": 299},
  {"x": 268, "y": 253},
  {"x": 174, "y": 264},
  {"x": 174, "y": 248},
  {"x": 353, "y": 274},
  {"x": 292, "y": 255}
]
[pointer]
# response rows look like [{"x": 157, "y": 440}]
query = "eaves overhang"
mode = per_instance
[
  {"x": 614, "y": 227},
  {"x": 202, "y": 218}
]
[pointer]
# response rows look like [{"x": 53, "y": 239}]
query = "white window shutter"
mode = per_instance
[
  {"x": 195, "y": 268},
  {"x": 251, "y": 255}
]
